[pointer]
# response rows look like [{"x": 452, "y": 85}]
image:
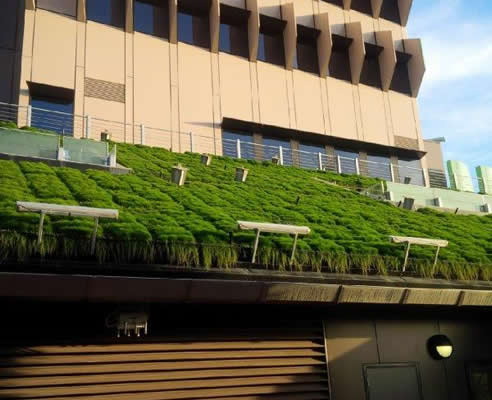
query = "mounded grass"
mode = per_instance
[{"x": 195, "y": 225}]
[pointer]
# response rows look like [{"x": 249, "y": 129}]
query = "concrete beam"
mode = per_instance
[
  {"x": 253, "y": 28},
  {"x": 325, "y": 42},
  {"x": 416, "y": 64},
  {"x": 214, "y": 26},
  {"x": 387, "y": 58},
  {"x": 357, "y": 50},
  {"x": 290, "y": 34}
]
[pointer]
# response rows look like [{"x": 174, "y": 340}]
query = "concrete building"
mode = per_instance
[{"x": 335, "y": 77}]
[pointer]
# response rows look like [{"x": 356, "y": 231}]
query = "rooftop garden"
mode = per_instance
[{"x": 196, "y": 225}]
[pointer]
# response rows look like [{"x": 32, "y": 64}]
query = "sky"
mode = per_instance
[{"x": 455, "y": 100}]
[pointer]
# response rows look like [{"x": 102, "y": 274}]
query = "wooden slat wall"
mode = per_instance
[{"x": 254, "y": 365}]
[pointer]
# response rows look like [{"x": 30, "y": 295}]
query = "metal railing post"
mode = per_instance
[
  {"x": 142, "y": 134},
  {"x": 357, "y": 166},
  {"x": 87, "y": 126},
  {"x": 191, "y": 142},
  {"x": 339, "y": 165},
  {"x": 238, "y": 148},
  {"x": 392, "y": 172},
  {"x": 320, "y": 162},
  {"x": 281, "y": 155},
  {"x": 29, "y": 116}
]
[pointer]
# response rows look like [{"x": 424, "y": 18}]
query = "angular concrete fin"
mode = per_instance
[
  {"x": 253, "y": 28},
  {"x": 30, "y": 4},
  {"x": 129, "y": 16},
  {"x": 173, "y": 21},
  {"x": 405, "y": 6},
  {"x": 357, "y": 50},
  {"x": 81, "y": 11},
  {"x": 387, "y": 58},
  {"x": 325, "y": 42},
  {"x": 214, "y": 25},
  {"x": 347, "y": 4},
  {"x": 376, "y": 7},
  {"x": 290, "y": 34},
  {"x": 416, "y": 64}
]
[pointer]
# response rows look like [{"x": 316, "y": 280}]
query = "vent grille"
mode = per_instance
[
  {"x": 105, "y": 90},
  {"x": 437, "y": 179},
  {"x": 255, "y": 365},
  {"x": 406, "y": 143}
]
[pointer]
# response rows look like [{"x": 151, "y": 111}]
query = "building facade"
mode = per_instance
[{"x": 335, "y": 77}]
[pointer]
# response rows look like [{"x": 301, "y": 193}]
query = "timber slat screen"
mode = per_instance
[{"x": 287, "y": 364}]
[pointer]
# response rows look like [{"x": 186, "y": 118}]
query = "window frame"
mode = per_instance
[
  {"x": 307, "y": 37},
  {"x": 274, "y": 29},
  {"x": 190, "y": 9},
  {"x": 165, "y": 34},
  {"x": 234, "y": 18}
]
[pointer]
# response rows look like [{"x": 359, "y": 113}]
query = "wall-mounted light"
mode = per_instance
[{"x": 440, "y": 347}]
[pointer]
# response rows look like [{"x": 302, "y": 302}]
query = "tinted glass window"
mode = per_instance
[
  {"x": 339, "y": 66},
  {"x": 272, "y": 149},
  {"x": 390, "y": 11},
  {"x": 371, "y": 74},
  {"x": 363, "y": 6},
  {"x": 336, "y": 2},
  {"x": 308, "y": 155},
  {"x": 271, "y": 41},
  {"x": 109, "y": 12},
  {"x": 152, "y": 18},
  {"x": 67, "y": 7},
  {"x": 234, "y": 31},
  {"x": 401, "y": 82},
  {"x": 410, "y": 168},
  {"x": 377, "y": 166},
  {"x": 307, "y": 55},
  {"x": 193, "y": 29},
  {"x": 43, "y": 116},
  {"x": 231, "y": 140}
]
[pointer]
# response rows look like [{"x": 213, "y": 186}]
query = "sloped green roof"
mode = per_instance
[{"x": 206, "y": 209}]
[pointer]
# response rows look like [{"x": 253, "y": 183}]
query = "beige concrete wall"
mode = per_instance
[
  {"x": 183, "y": 88},
  {"x": 105, "y": 53},
  {"x": 373, "y": 115},
  {"x": 152, "y": 97},
  {"x": 54, "y": 49},
  {"x": 235, "y": 87},
  {"x": 434, "y": 156},
  {"x": 308, "y": 104}
]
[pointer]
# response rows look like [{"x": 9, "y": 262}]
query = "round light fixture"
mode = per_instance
[{"x": 440, "y": 347}]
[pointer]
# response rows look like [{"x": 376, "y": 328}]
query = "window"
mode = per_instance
[
  {"x": 401, "y": 82},
  {"x": 390, "y": 11},
  {"x": 339, "y": 67},
  {"x": 193, "y": 23},
  {"x": 152, "y": 17},
  {"x": 271, "y": 40},
  {"x": 371, "y": 74},
  {"x": 234, "y": 141},
  {"x": 272, "y": 149},
  {"x": 410, "y": 168},
  {"x": 234, "y": 31},
  {"x": 363, "y": 6},
  {"x": 307, "y": 49},
  {"x": 348, "y": 160},
  {"x": 338, "y": 3},
  {"x": 308, "y": 155},
  {"x": 52, "y": 108},
  {"x": 378, "y": 166},
  {"x": 66, "y": 7},
  {"x": 108, "y": 12}
]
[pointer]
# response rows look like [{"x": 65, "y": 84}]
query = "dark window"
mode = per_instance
[
  {"x": 377, "y": 166},
  {"x": 152, "y": 17},
  {"x": 271, "y": 40},
  {"x": 235, "y": 142},
  {"x": 234, "y": 31},
  {"x": 109, "y": 12},
  {"x": 67, "y": 7},
  {"x": 339, "y": 61},
  {"x": 272, "y": 147},
  {"x": 371, "y": 74},
  {"x": 389, "y": 382},
  {"x": 336, "y": 2},
  {"x": 308, "y": 155},
  {"x": 363, "y": 6},
  {"x": 348, "y": 160},
  {"x": 52, "y": 108},
  {"x": 401, "y": 82},
  {"x": 410, "y": 168},
  {"x": 193, "y": 23},
  {"x": 390, "y": 11},
  {"x": 307, "y": 49}
]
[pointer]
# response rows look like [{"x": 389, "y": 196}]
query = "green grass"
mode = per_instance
[{"x": 195, "y": 225}]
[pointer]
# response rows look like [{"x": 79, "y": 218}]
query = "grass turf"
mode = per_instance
[{"x": 349, "y": 231}]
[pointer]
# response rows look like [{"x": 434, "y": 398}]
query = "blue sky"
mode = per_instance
[{"x": 456, "y": 97}]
